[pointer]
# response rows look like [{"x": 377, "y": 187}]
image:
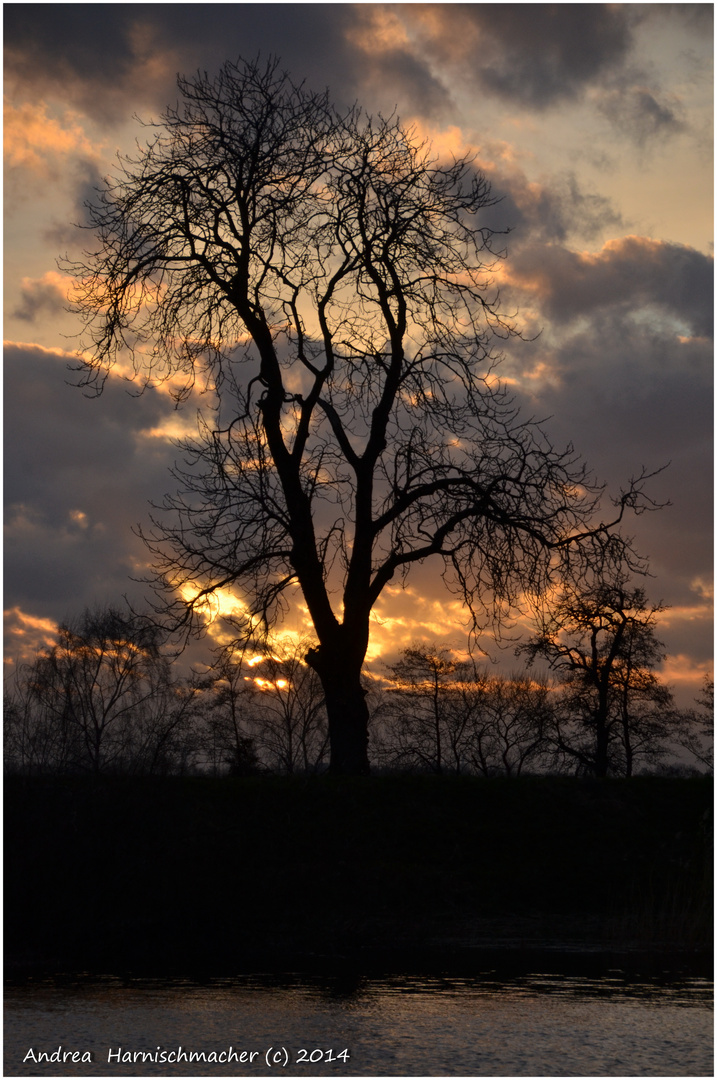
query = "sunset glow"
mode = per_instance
[
  {"x": 602, "y": 255},
  {"x": 219, "y": 604}
]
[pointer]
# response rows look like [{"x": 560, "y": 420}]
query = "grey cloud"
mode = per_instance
[
  {"x": 396, "y": 78},
  {"x": 538, "y": 54},
  {"x": 108, "y": 58},
  {"x": 696, "y": 16},
  {"x": 629, "y": 395},
  {"x": 630, "y": 273},
  {"x": 636, "y": 112},
  {"x": 114, "y": 59},
  {"x": 40, "y": 296},
  {"x": 67, "y": 456},
  {"x": 66, "y": 234},
  {"x": 554, "y": 210},
  {"x": 84, "y": 49},
  {"x": 532, "y": 55}
]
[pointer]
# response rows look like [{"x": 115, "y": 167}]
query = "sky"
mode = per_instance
[{"x": 593, "y": 124}]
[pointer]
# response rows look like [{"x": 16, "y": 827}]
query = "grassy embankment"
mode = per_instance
[{"x": 171, "y": 874}]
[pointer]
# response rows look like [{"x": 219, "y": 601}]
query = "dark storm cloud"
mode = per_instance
[
  {"x": 111, "y": 59},
  {"x": 78, "y": 476},
  {"x": 628, "y": 394},
  {"x": 83, "y": 50},
  {"x": 534, "y": 55},
  {"x": 630, "y": 273}
]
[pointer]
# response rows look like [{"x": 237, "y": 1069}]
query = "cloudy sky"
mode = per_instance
[{"x": 594, "y": 125}]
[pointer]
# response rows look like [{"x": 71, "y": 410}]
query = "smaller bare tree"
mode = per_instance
[
  {"x": 267, "y": 710},
  {"x": 35, "y": 740},
  {"x": 290, "y": 712},
  {"x": 424, "y": 720},
  {"x": 598, "y": 634},
  {"x": 697, "y": 735},
  {"x": 227, "y": 702},
  {"x": 102, "y": 698},
  {"x": 514, "y": 720},
  {"x": 446, "y": 715}
]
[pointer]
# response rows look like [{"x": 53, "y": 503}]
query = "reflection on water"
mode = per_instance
[{"x": 534, "y": 1024}]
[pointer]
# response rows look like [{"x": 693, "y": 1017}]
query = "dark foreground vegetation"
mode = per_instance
[{"x": 175, "y": 874}]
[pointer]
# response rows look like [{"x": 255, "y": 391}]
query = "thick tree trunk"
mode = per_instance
[
  {"x": 346, "y": 709},
  {"x": 601, "y": 746},
  {"x": 348, "y": 729}
]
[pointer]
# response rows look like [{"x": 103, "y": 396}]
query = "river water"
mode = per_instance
[{"x": 537, "y": 1023}]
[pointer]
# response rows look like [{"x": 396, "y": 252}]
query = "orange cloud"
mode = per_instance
[
  {"x": 444, "y": 29},
  {"x": 25, "y": 635},
  {"x": 445, "y": 144},
  {"x": 123, "y": 369},
  {"x": 28, "y": 346},
  {"x": 79, "y": 518},
  {"x": 403, "y": 617},
  {"x": 703, "y": 588},
  {"x": 177, "y": 426},
  {"x": 686, "y": 670},
  {"x": 34, "y": 141},
  {"x": 683, "y": 613}
]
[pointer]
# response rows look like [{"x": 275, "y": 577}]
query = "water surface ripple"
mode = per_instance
[{"x": 536, "y": 1024}]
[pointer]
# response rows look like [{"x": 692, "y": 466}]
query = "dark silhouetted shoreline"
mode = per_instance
[{"x": 178, "y": 875}]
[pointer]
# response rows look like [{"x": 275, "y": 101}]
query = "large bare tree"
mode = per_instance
[{"x": 332, "y": 284}]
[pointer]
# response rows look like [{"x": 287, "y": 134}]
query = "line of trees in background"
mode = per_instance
[{"x": 107, "y": 697}]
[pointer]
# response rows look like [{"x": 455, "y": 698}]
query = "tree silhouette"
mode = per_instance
[
  {"x": 102, "y": 698},
  {"x": 289, "y": 715},
  {"x": 599, "y": 634},
  {"x": 427, "y": 728},
  {"x": 446, "y": 715},
  {"x": 227, "y": 740},
  {"x": 699, "y": 725},
  {"x": 275, "y": 703},
  {"x": 331, "y": 283},
  {"x": 510, "y": 731}
]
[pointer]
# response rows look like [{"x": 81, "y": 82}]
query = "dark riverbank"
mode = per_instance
[{"x": 176, "y": 875}]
